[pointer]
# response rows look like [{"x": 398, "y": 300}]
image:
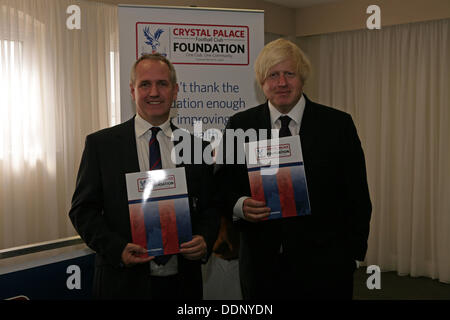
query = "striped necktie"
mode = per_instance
[
  {"x": 155, "y": 152},
  {"x": 155, "y": 164}
]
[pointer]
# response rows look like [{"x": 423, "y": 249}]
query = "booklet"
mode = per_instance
[
  {"x": 159, "y": 210},
  {"x": 277, "y": 176}
]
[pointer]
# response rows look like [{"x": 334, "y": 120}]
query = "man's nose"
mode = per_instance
[
  {"x": 154, "y": 92},
  {"x": 282, "y": 80}
]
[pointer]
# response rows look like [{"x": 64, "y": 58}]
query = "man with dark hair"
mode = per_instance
[{"x": 100, "y": 211}]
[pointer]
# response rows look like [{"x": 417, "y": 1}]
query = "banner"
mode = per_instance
[{"x": 213, "y": 51}]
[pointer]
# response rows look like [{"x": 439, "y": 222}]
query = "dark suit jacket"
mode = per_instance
[
  {"x": 319, "y": 248},
  {"x": 100, "y": 213}
]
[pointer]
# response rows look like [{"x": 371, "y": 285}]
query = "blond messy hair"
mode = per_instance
[{"x": 278, "y": 51}]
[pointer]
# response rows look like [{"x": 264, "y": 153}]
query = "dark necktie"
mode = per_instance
[
  {"x": 155, "y": 164},
  {"x": 284, "y": 130},
  {"x": 155, "y": 152}
]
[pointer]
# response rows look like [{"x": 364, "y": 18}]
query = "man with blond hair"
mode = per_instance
[{"x": 311, "y": 256}]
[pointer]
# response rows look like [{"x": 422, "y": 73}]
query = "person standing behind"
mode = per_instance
[
  {"x": 100, "y": 212},
  {"x": 311, "y": 256}
]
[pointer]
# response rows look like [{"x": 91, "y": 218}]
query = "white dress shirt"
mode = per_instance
[{"x": 164, "y": 137}]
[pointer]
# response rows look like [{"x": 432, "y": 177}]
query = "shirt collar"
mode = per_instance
[
  {"x": 142, "y": 126},
  {"x": 295, "y": 114}
]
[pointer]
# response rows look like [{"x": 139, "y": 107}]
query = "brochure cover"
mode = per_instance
[
  {"x": 159, "y": 210},
  {"x": 277, "y": 176}
]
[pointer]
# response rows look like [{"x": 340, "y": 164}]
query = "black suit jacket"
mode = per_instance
[
  {"x": 335, "y": 234},
  {"x": 100, "y": 213}
]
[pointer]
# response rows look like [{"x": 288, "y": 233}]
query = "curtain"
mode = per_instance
[
  {"x": 395, "y": 84},
  {"x": 55, "y": 88}
]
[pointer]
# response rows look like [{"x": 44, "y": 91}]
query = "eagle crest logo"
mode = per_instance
[{"x": 153, "y": 39}]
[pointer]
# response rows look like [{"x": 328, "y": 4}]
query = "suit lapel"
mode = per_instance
[
  {"x": 307, "y": 129},
  {"x": 126, "y": 141},
  {"x": 263, "y": 120}
]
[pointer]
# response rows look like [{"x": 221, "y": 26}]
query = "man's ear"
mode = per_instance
[
  {"x": 132, "y": 91},
  {"x": 176, "y": 89}
]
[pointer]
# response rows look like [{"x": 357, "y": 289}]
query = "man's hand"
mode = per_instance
[
  {"x": 194, "y": 249},
  {"x": 255, "y": 211},
  {"x": 131, "y": 255}
]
